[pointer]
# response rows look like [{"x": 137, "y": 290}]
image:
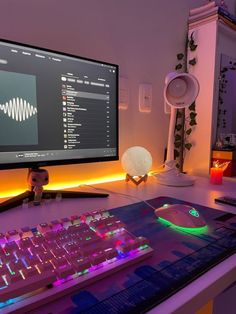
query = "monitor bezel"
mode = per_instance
[{"x": 59, "y": 162}]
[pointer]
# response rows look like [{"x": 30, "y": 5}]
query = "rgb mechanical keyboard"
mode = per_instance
[{"x": 41, "y": 264}]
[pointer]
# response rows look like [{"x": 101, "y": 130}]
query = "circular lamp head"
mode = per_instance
[
  {"x": 180, "y": 90},
  {"x": 136, "y": 161}
]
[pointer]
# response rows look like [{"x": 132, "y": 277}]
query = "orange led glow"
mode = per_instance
[
  {"x": 68, "y": 184},
  {"x": 9, "y": 192}
]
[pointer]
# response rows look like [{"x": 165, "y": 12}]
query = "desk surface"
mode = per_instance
[{"x": 195, "y": 294}]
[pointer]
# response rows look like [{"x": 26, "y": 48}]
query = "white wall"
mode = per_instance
[{"x": 142, "y": 36}]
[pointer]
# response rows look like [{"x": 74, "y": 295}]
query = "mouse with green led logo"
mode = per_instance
[{"x": 181, "y": 215}]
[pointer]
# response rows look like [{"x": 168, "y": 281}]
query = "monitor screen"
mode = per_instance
[{"x": 55, "y": 108}]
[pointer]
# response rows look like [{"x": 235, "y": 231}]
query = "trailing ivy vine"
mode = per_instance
[{"x": 185, "y": 120}]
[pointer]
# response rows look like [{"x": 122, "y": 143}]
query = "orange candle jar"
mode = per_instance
[{"x": 216, "y": 175}]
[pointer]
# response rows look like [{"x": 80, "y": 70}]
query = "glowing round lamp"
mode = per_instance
[{"x": 136, "y": 162}]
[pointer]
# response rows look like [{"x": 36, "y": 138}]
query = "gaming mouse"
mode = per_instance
[{"x": 181, "y": 215}]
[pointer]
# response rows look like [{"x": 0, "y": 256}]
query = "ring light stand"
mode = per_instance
[{"x": 180, "y": 92}]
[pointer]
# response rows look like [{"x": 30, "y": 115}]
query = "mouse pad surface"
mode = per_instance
[{"x": 180, "y": 256}]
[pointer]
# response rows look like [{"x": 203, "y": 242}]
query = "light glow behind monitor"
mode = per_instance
[{"x": 55, "y": 108}]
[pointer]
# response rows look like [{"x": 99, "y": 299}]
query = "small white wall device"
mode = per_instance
[{"x": 180, "y": 91}]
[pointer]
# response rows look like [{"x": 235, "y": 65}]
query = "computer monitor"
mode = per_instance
[{"x": 55, "y": 108}]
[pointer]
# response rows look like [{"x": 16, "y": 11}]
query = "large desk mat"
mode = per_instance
[{"x": 179, "y": 257}]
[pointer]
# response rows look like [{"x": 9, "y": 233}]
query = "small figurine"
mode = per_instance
[{"x": 36, "y": 179}]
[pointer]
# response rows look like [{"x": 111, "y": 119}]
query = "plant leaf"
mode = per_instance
[
  {"x": 192, "y": 107},
  {"x": 192, "y": 61},
  {"x": 177, "y": 137},
  {"x": 178, "y": 127},
  {"x": 188, "y": 132},
  {"x": 193, "y": 122},
  {"x": 188, "y": 146},
  {"x": 192, "y": 47},
  {"x": 177, "y": 144},
  {"x": 176, "y": 153},
  {"x": 192, "y": 115},
  {"x": 178, "y": 66},
  {"x": 180, "y": 56},
  {"x": 191, "y": 43}
]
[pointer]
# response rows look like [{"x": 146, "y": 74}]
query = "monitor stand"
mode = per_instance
[{"x": 36, "y": 193}]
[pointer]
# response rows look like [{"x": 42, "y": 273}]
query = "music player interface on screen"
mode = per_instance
[
  {"x": 55, "y": 106},
  {"x": 18, "y": 109}
]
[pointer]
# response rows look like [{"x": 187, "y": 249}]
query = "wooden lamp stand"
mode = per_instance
[{"x": 136, "y": 179}]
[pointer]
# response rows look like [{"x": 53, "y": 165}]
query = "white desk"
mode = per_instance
[{"x": 189, "y": 299}]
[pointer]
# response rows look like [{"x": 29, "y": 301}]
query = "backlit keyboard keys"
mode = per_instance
[
  {"x": 43, "y": 228},
  {"x": 97, "y": 215},
  {"x": 142, "y": 241},
  {"x": 51, "y": 236},
  {"x": 32, "y": 261},
  {"x": 120, "y": 224},
  {"x": 2, "y": 257},
  {"x": 86, "y": 218},
  {"x": 105, "y": 213},
  {"x": 3, "y": 270},
  {"x": 135, "y": 244},
  {"x": 13, "y": 235},
  {"x": 15, "y": 266},
  {"x": 55, "y": 251},
  {"x": 81, "y": 265},
  {"x": 58, "y": 252},
  {"x": 75, "y": 220},
  {"x": 14, "y": 277},
  {"x": 3, "y": 239},
  {"x": 59, "y": 262},
  {"x": 10, "y": 247},
  {"x": 21, "y": 254},
  {"x": 2, "y": 283},
  {"x": 56, "y": 225},
  {"x": 26, "y": 232},
  {"x": 25, "y": 243},
  {"x": 49, "y": 246},
  {"x": 38, "y": 239},
  {"x": 98, "y": 258},
  {"x": 29, "y": 272},
  {"x": 62, "y": 233},
  {"x": 47, "y": 266},
  {"x": 75, "y": 256},
  {"x": 125, "y": 248},
  {"x": 71, "y": 248},
  {"x": 36, "y": 250},
  {"x": 65, "y": 271},
  {"x": 66, "y": 222},
  {"x": 6, "y": 258},
  {"x": 45, "y": 256}
]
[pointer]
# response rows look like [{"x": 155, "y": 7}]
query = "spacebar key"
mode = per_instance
[{"x": 27, "y": 285}]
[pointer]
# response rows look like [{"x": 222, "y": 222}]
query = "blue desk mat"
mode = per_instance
[{"x": 179, "y": 258}]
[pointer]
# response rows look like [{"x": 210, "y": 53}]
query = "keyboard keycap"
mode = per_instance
[
  {"x": 65, "y": 271},
  {"x": 13, "y": 235},
  {"x": 43, "y": 228},
  {"x": 26, "y": 232}
]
